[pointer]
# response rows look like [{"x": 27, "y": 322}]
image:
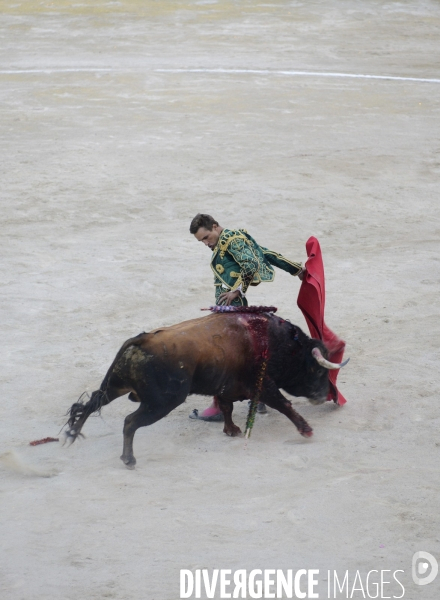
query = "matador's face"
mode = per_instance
[{"x": 209, "y": 238}]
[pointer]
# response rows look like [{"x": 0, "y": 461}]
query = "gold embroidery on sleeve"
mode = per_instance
[{"x": 226, "y": 238}]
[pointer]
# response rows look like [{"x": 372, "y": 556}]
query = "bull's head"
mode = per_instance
[
  {"x": 319, "y": 381},
  {"x": 309, "y": 371}
]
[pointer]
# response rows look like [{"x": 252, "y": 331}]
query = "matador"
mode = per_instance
[{"x": 237, "y": 262}]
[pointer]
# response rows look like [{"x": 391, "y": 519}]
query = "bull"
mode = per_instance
[{"x": 233, "y": 356}]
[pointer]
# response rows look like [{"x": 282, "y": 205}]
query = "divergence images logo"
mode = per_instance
[{"x": 420, "y": 564}]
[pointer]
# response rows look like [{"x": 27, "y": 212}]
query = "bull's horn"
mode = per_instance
[{"x": 316, "y": 353}]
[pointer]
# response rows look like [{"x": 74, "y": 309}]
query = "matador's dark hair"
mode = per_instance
[{"x": 201, "y": 220}]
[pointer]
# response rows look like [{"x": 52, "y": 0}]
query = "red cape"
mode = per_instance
[{"x": 311, "y": 301}]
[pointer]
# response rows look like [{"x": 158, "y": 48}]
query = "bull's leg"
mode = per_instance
[
  {"x": 79, "y": 412},
  {"x": 227, "y": 406},
  {"x": 156, "y": 401},
  {"x": 272, "y": 396},
  {"x": 141, "y": 417}
]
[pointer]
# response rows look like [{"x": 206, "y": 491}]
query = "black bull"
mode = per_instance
[{"x": 220, "y": 355}]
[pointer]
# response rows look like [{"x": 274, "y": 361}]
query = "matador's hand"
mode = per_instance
[
  {"x": 228, "y": 298},
  {"x": 302, "y": 273}
]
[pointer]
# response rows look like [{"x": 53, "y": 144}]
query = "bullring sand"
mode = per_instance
[{"x": 120, "y": 121}]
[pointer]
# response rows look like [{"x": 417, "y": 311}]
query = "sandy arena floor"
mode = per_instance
[{"x": 120, "y": 121}]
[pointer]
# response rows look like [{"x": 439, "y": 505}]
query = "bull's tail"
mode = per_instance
[{"x": 80, "y": 411}]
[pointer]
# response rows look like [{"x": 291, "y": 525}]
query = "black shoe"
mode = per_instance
[{"x": 261, "y": 408}]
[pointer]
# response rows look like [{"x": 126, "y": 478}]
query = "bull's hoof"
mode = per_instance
[
  {"x": 129, "y": 461},
  {"x": 232, "y": 431}
]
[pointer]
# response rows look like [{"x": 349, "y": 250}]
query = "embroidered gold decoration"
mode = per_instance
[
  {"x": 234, "y": 274},
  {"x": 237, "y": 284},
  {"x": 226, "y": 238},
  {"x": 220, "y": 269}
]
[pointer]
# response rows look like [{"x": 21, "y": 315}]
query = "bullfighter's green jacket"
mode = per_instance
[{"x": 238, "y": 261}]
